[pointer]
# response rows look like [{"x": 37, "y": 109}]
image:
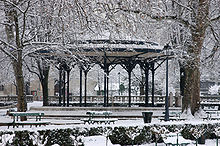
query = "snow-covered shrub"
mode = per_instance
[
  {"x": 131, "y": 135},
  {"x": 158, "y": 132},
  {"x": 145, "y": 136},
  {"x": 57, "y": 136},
  {"x": 22, "y": 138},
  {"x": 118, "y": 135},
  {"x": 194, "y": 131},
  {"x": 132, "y": 132},
  {"x": 96, "y": 131}
]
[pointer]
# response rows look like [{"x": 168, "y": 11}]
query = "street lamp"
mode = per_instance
[
  {"x": 166, "y": 98},
  {"x": 118, "y": 83}
]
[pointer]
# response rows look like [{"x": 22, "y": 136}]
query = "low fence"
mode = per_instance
[
  {"x": 113, "y": 100},
  {"x": 14, "y": 98}
]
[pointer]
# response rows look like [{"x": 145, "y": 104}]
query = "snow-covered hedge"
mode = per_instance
[{"x": 117, "y": 135}]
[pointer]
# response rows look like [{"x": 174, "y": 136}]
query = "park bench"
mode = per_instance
[
  {"x": 99, "y": 117},
  {"x": 17, "y": 124},
  {"x": 16, "y": 116},
  {"x": 173, "y": 116},
  {"x": 174, "y": 139}
]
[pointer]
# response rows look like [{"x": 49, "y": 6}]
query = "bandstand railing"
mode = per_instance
[{"x": 112, "y": 100}]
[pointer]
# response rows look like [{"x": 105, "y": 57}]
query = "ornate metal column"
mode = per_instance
[
  {"x": 85, "y": 90},
  {"x": 60, "y": 86},
  {"x": 146, "y": 72},
  {"x": 107, "y": 87},
  {"x": 128, "y": 66},
  {"x": 68, "y": 86},
  {"x": 129, "y": 88},
  {"x": 80, "y": 88},
  {"x": 105, "y": 80},
  {"x": 64, "y": 88}
]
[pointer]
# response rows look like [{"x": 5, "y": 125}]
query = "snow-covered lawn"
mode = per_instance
[{"x": 62, "y": 123}]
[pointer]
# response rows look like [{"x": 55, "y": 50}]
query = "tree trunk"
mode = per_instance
[
  {"x": 21, "y": 104},
  {"x": 44, "y": 84},
  {"x": 191, "y": 92},
  {"x": 44, "y": 69},
  {"x": 191, "y": 89},
  {"x": 13, "y": 38}
]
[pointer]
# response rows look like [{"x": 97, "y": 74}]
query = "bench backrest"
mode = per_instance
[{"x": 98, "y": 113}]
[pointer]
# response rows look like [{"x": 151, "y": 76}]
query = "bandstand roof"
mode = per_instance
[{"x": 116, "y": 51}]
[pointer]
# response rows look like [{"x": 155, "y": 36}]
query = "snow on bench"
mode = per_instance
[{"x": 99, "y": 117}]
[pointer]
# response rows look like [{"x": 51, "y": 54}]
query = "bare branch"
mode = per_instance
[
  {"x": 215, "y": 19},
  {"x": 214, "y": 33},
  {"x": 212, "y": 54},
  {"x": 42, "y": 43},
  {"x": 24, "y": 21},
  {"x": 32, "y": 37},
  {"x": 160, "y": 18},
  {"x": 136, "y": 77},
  {"x": 8, "y": 53},
  {"x": 8, "y": 24},
  {"x": 190, "y": 9},
  {"x": 30, "y": 70},
  {"x": 13, "y": 5}
]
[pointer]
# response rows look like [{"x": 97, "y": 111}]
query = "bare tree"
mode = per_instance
[
  {"x": 12, "y": 43},
  {"x": 35, "y": 27}
]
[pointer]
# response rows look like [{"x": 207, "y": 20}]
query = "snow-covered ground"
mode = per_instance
[{"x": 62, "y": 123}]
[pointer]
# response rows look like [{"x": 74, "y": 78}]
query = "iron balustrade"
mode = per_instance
[
  {"x": 14, "y": 98},
  {"x": 158, "y": 99},
  {"x": 113, "y": 99}
]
